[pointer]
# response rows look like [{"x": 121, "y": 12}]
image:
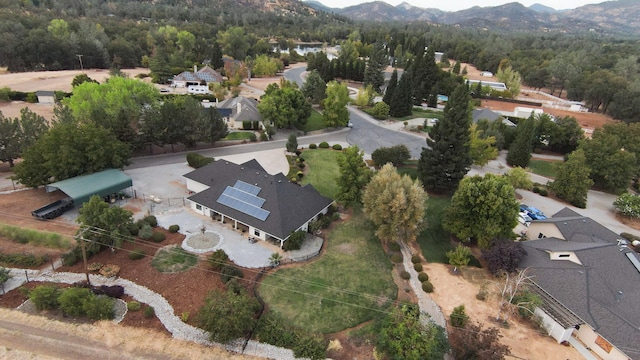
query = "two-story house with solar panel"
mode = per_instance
[{"x": 267, "y": 207}]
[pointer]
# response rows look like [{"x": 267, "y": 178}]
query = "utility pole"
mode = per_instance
[
  {"x": 84, "y": 254},
  {"x": 80, "y": 58}
]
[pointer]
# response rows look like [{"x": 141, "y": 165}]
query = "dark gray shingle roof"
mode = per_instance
[
  {"x": 604, "y": 291},
  {"x": 290, "y": 205}
]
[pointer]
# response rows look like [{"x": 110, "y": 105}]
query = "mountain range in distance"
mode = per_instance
[{"x": 615, "y": 17}]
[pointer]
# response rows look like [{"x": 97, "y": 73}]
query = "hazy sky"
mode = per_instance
[{"x": 454, "y": 5}]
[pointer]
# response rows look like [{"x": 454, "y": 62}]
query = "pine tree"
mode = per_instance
[
  {"x": 522, "y": 146},
  {"x": 376, "y": 64},
  {"x": 401, "y": 104},
  {"x": 393, "y": 83},
  {"x": 446, "y": 160}
]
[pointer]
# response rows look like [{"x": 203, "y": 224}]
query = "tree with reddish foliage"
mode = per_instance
[
  {"x": 503, "y": 255},
  {"x": 474, "y": 342}
]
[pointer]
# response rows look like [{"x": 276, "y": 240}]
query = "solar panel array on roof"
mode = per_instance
[
  {"x": 246, "y": 187},
  {"x": 244, "y": 196},
  {"x": 207, "y": 77},
  {"x": 236, "y": 204}
]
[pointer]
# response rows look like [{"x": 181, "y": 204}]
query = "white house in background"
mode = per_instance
[
  {"x": 204, "y": 76},
  {"x": 268, "y": 207},
  {"x": 589, "y": 282},
  {"x": 198, "y": 89},
  {"x": 492, "y": 84},
  {"x": 525, "y": 112},
  {"x": 46, "y": 97}
]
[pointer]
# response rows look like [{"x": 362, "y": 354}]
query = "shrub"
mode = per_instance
[
  {"x": 416, "y": 259},
  {"x": 146, "y": 231},
  {"x": 185, "y": 316},
  {"x": 134, "y": 229},
  {"x": 543, "y": 192},
  {"x": 218, "y": 259},
  {"x": 459, "y": 317},
  {"x": 151, "y": 220},
  {"x": 174, "y": 228},
  {"x": 72, "y": 300},
  {"x": 45, "y": 297},
  {"x": 134, "y": 306},
  {"x": 72, "y": 257},
  {"x": 396, "y": 258},
  {"x": 394, "y": 246},
  {"x": 312, "y": 146},
  {"x": 536, "y": 189},
  {"x": 379, "y": 111},
  {"x": 110, "y": 270},
  {"x": 324, "y": 145},
  {"x": 99, "y": 307},
  {"x": 427, "y": 286},
  {"x": 136, "y": 254},
  {"x": 113, "y": 291},
  {"x": 301, "y": 165},
  {"x": 23, "y": 259},
  {"x": 158, "y": 236},
  {"x": 337, "y": 147},
  {"x": 234, "y": 286},
  {"x": 149, "y": 312},
  {"x": 294, "y": 242},
  {"x": 397, "y": 155},
  {"x": 405, "y": 275},
  {"x": 310, "y": 346},
  {"x": 197, "y": 161},
  {"x": 264, "y": 136},
  {"x": 230, "y": 272},
  {"x": 253, "y": 137},
  {"x": 628, "y": 205},
  {"x": 423, "y": 277},
  {"x": 417, "y": 267},
  {"x": 94, "y": 266},
  {"x": 300, "y": 174}
]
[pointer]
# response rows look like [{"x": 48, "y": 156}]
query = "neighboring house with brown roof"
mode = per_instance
[
  {"x": 268, "y": 207},
  {"x": 204, "y": 76},
  {"x": 589, "y": 280}
]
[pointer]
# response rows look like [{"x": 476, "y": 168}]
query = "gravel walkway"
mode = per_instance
[
  {"x": 425, "y": 302},
  {"x": 165, "y": 313}
]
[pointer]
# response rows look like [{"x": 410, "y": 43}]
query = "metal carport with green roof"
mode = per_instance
[{"x": 82, "y": 188}]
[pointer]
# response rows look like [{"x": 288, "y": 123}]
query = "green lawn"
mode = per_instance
[
  {"x": 239, "y": 135},
  {"x": 322, "y": 165},
  {"x": 314, "y": 122},
  {"x": 544, "y": 167},
  {"x": 350, "y": 284},
  {"x": 420, "y": 113},
  {"x": 434, "y": 240}
]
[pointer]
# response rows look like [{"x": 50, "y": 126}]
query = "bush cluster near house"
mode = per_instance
[{"x": 73, "y": 301}]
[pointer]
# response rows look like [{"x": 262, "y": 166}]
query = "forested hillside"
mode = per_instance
[{"x": 169, "y": 36}]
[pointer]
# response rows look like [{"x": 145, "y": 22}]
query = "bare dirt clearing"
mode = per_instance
[{"x": 56, "y": 80}]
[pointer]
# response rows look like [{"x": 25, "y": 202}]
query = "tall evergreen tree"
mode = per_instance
[
  {"x": 522, "y": 146},
  {"x": 446, "y": 160},
  {"x": 401, "y": 103},
  {"x": 376, "y": 64},
  {"x": 393, "y": 83}
]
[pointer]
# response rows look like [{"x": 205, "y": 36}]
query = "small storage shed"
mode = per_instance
[
  {"x": 82, "y": 188},
  {"x": 46, "y": 97}
]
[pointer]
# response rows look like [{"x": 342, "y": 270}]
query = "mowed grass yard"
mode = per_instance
[
  {"x": 546, "y": 168},
  {"x": 349, "y": 284}
]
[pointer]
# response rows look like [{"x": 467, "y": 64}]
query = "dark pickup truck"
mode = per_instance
[{"x": 53, "y": 210}]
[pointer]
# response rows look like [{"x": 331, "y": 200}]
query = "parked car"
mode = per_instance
[
  {"x": 535, "y": 214},
  {"x": 524, "y": 208},
  {"x": 350, "y": 124},
  {"x": 524, "y": 219}
]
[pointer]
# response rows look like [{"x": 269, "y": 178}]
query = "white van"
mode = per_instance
[{"x": 198, "y": 89}]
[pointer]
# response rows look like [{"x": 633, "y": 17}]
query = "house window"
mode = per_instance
[
  {"x": 198, "y": 207},
  {"x": 564, "y": 255},
  {"x": 256, "y": 232}
]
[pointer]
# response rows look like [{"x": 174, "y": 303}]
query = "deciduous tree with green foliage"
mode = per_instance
[
  {"x": 80, "y": 79},
  {"x": 117, "y": 105},
  {"x": 9, "y": 139},
  {"x": 612, "y": 166},
  {"x": 459, "y": 256},
  {"x": 395, "y": 204},
  {"x": 402, "y": 335},
  {"x": 226, "y": 315},
  {"x": 335, "y": 111},
  {"x": 483, "y": 208},
  {"x": 519, "y": 178},
  {"x": 572, "y": 182},
  {"x": 446, "y": 159},
  {"x": 520, "y": 150},
  {"x": 87, "y": 149},
  {"x": 510, "y": 78},
  {"x": 285, "y": 107},
  {"x": 354, "y": 176},
  {"x": 481, "y": 149},
  {"x": 234, "y": 42},
  {"x": 396, "y": 155},
  {"x": 104, "y": 225}
]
